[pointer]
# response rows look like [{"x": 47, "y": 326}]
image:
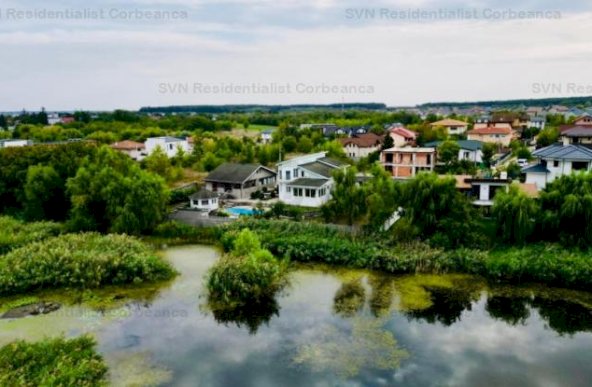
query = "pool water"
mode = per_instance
[{"x": 247, "y": 211}]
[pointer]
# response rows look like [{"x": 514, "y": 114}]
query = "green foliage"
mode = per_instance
[
  {"x": 14, "y": 233},
  {"x": 44, "y": 194},
  {"x": 347, "y": 198},
  {"x": 110, "y": 193},
  {"x": 515, "y": 215},
  {"x": 448, "y": 152},
  {"x": 52, "y": 362},
  {"x": 547, "y": 136},
  {"x": 15, "y": 162},
  {"x": 488, "y": 151},
  {"x": 80, "y": 261},
  {"x": 159, "y": 163},
  {"x": 248, "y": 273},
  {"x": 567, "y": 210},
  {"x": 173, "y": 232}
]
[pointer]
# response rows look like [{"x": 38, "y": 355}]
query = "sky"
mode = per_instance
[{"x": 103, "y": 55}]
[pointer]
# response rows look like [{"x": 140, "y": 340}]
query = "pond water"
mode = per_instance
[{"x": 334, "y": 327}]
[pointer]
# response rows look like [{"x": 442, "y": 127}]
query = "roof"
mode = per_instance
[
  {"x": 406, "y": 133},
  {"x": 304, "y": 182},
  {"x": 366, "y": 140},
  {"x": 203, "y": 194},
  {"x": 449, "y": 122},
  {"x": 319, "y": 168},
  {"x": 168, "y": 139},
  {"x": 333, "y": 162},
  {"x": 537, "y": 168},
  {"x": 471, "y": 145},
  {"x": 565, "y": 152},
  {"x": 491, "y": 130},
  {"x": 538, "y": 119},
  {"x": 578, "y": 131},
  {"x": 411, "y": 150},
  {"x": 234, "y": 173},
  {"x": 127, "y": 145}
]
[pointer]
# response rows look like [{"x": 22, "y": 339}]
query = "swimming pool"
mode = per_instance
[{"x": 238, "y": 211}]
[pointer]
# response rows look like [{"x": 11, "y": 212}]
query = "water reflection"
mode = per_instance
[
  {"x": 349, "y": 298},
  {"x": 251, "y": 314},
  {"x": 512, "y": 310}
]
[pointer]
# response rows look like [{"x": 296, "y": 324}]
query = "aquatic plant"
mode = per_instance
[
  {"x": 52, "y": 362},
  {"x": 80, "y": 261},
  {"x": 14, "y": 233}
]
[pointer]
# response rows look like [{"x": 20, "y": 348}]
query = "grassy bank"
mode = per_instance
[
  {"x": 80, "y": 261},
  {"x": 52, "y": 362},
  {"x": 306, "y": 242}
]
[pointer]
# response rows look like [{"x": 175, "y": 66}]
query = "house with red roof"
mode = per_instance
[{"x": 402, "y": 136}]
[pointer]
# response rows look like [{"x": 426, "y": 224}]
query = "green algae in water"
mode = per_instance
[
  {"x": 366, "y": 345},
  {"x": 136, "y": 369}
]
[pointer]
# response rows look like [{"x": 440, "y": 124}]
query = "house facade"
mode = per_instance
[
  {"x": 307, "y": 180},
  {"x": 266, "y": 136},
  {"x": 406, "y": 162},
  {"x": 204, "y": 200},
  {"x": 470, "y": 150},
  {"x": 239, "y": 181},
  {"x": 496, "y": 135},
  {"x": 361, "y": 145},
  {"x": 135, "y": 150},
  {"x": 14, "y": 143},
  {"x": 170, "y": 145},
  {"x": 560, "y": 159},
  {"x": 452, "y": 126},
  {"x": 402, "y": 136}
]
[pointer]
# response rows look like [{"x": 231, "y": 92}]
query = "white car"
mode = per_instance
[{"x": 522, "y": 163}]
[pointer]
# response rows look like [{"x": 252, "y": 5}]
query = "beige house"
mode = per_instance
[
  {"x": 452, "y": 126},
  {"x": 133, "y": 149},
  {"x": 407, "y": 162},
  {"x": 502, "y": 135},
  {"x": 402, "y": 136},
  {"x": 361, "y": 145}
]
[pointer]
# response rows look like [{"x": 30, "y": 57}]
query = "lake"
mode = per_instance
[{"x": 334, "y": 327}]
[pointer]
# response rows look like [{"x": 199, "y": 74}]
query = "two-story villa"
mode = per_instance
[
  {"x": 307, "y": 180},
  {"x": 406, "y": 162}
]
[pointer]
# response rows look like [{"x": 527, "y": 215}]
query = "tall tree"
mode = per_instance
[
  {"x": 515, "y": 214},
  {"x": 110, "y": 193}
]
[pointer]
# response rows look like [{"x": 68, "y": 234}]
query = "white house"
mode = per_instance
[
  {"x": 266, "y": 136},
  {"x": 307, "y": 180},
  {"x": 133, "y": 149},
  {"x": 361, "y": 145},
  {"x": 14, "y": 143},
  {"x": 170, "y": 145},
  {"x": 471, "y": 150},
  {"x": 452, "y": 126},
  {"x": 204, "y": 200},
  {"x": 537, "y": 122},
  {"x": 557, "y": 160}
]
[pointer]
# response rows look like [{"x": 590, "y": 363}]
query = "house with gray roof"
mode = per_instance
[
  {"x": 471, "y": 150},
  {"x": 239, "y": 181},
  {"x": 307, "y": 180},
  {"x": 204, "y": 200},
  {"x": 557, "y": 160}
]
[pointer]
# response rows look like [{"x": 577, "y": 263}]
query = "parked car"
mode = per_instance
[{"x": 522, "y": 163}]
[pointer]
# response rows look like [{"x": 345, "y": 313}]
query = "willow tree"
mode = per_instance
[
  {"x": 348, "y": 198},
  {"x": 110, "y": 193},
  {"x": 515, "y": 214}
]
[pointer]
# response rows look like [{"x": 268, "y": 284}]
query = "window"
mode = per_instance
[
  {"x": 310, "y": 193},
  {"x": 204, "y": 202},
  {"x": 195, "y": 203},
  {"x": 288, "y": 189},
  {"x": 288, "y": 177},
  {"x": 579, "y": 165},
  {"x": 555, "y": 163},
  {"x": 466, "y": 155},
  {"x": 295, "y": 172},
  {"x": 297, "y": 191}
]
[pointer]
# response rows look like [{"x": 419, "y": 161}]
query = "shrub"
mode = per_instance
[
  {"x": 247, "y": 274},
  {"x": 14, "y": 233},
  {"x": 174, "y": 232},
  {"x": 80, "y": 261},
  {"x": 52, "y": 362}
]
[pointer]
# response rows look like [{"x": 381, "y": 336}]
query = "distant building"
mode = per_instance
[
  {"x": 135, "y": 150},
  {"x": 240, "y": 180},
  {"x": 266, "y": 136},
  {"x": 361, "y": 145},
  {"x": 14, "y": 143},
  {"x": 402, "y": 136},
  {"x": 452, "y": 126},
  {"x": 496, "y": 135},
  {"x": 307, "y": 180},
  {"x": 482, "y": 191},
  {"x": 470, "y": 150},
  {"x": 407, "y": 162},
  {"x": 204, "y": 200},
  {"x": 170, "y": 145},
  {"x": 537, "y": 122}
]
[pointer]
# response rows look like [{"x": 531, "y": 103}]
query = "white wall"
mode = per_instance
[
  {"x": 318, "y": 201},
  {"x": 474, "y": 156},
  {"x": 170, "y": 148},
  {"x": 204, "y": 204},
  {"x": 539, "y": 179}
]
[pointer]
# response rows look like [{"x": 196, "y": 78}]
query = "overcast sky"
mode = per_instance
[{"x": 99, "y": 57}]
